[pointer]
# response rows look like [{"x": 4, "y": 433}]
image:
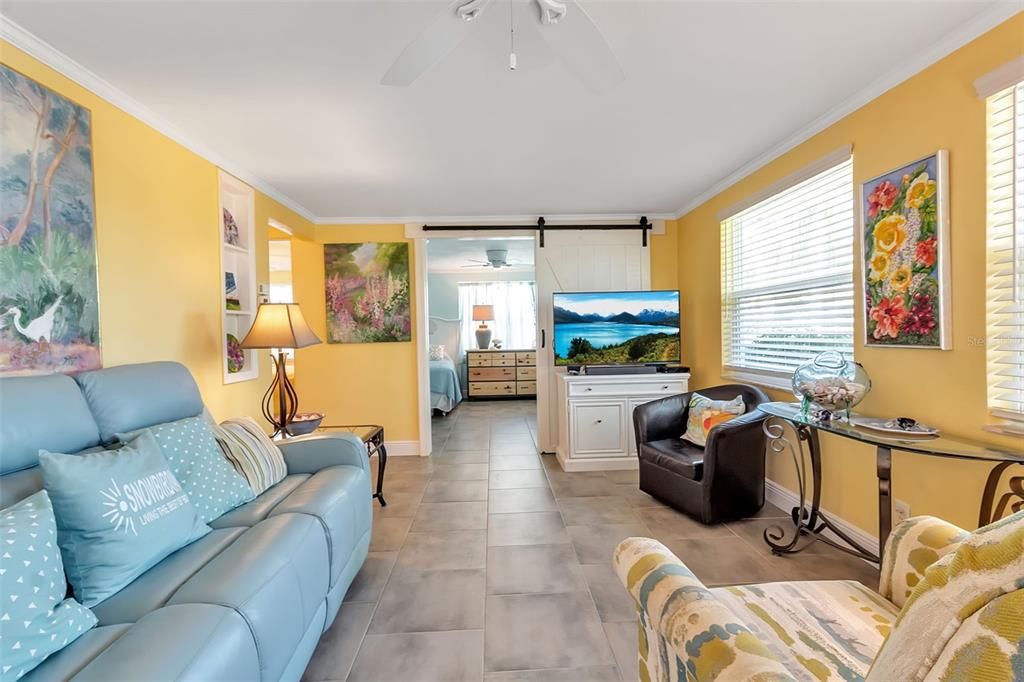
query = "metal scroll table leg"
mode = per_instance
[
  {"x": 1014, "y": 498},
  {"x": 382, "y": 462},
  {"x": 810, "y": 522},
  {"x": 883, "y": 467}
]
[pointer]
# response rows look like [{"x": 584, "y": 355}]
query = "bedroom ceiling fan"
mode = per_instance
[
  {"x": 565, "y": 26},
  {"x": 496, "y": 259}
]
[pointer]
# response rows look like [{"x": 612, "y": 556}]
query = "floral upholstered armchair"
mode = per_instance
[{"x": 950, "y": 606}]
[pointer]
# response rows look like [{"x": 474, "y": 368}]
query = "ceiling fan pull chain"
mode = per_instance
[{"x": 511, "y": 38}]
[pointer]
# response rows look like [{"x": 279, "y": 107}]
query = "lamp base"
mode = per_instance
[
  {"x": 483, "y": 337},
  {"x": 287, "y": 399}
]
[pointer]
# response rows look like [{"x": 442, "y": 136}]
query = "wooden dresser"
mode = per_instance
[{"x": 505, "y": 373}]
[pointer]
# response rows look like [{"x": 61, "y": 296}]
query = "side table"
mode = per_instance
[{"x": 372, "y": 436}]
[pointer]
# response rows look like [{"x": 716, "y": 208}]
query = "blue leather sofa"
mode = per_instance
[{"x": 249, "y": 600}]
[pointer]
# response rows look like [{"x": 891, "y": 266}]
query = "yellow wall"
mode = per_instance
[
  {"x": 358, "y": 383},
  {"x": 936, "y": 109},
  {"x": 157, "y": 232}
]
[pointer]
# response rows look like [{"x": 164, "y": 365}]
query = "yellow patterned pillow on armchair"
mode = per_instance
[{"x": 705, "y": 414}]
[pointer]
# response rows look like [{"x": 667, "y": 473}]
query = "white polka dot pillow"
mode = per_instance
[
  {"x": 212, "y": 484},
  {"x": 35, "y": 618}
]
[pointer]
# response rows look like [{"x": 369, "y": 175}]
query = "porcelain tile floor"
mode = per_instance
[{"x": 492, "y": 564}]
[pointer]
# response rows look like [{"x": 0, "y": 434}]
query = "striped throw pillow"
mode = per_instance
[{"x": 251, "y": 452}]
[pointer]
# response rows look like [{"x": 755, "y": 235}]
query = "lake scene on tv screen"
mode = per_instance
[{"x": 629, "y": 327}]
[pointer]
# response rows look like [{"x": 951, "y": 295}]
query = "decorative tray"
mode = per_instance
[{"x": 891, "y": 427}]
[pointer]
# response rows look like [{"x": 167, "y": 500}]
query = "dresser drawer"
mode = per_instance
[
  {"x": 479, "y": 359},
  {"x": 526, "y": 388},
  {"x": 491, "y": 374},
  {"x": 526, "y": 358},
  {"x": 526, "y": 373},
  {"x": 506, "y": 360},
  {"x": 661, "y": 387},
  {"x": 492, "y": 388}
]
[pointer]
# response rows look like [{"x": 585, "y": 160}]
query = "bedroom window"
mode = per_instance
[
  {"x": 1005, "y": 268},
  {"x": 787, "y": 274},
  {"x": 515, "y": 310}
]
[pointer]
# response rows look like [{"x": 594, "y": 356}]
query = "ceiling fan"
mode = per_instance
[
  {"x": 565, "y": 26},
  {"x": 496, "y": 259}
]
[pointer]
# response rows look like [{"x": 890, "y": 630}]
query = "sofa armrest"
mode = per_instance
[
  {"x": 661, "y": 419},
  {"x": 912, "y": 547},
  {"x": 682, "y": 620},
  {"x": 309, "y": 454}
]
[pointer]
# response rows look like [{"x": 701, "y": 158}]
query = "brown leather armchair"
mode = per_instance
[{"x": 722, "y": 481}]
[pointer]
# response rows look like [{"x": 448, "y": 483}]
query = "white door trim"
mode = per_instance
[{"x": 422, "y": 335}]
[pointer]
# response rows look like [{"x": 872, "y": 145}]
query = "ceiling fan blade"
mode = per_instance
[
  {"x": 480, "y": 265},
  {"x": 439, "y": 38},
  {"x": 578, "y": 43}
]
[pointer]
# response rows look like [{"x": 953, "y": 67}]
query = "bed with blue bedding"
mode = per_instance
[
  {"x": 445, "y": 392},
  {"x": 446, "y": 362}
]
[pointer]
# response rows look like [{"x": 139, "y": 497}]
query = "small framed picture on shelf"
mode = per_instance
[
  {"x": 231, "y": 303},
  {"x": 232, "y": 236},
  {"x": 230, "y": 284}
]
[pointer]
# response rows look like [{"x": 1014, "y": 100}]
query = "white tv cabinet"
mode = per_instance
[{"x": 595, "y": 418}]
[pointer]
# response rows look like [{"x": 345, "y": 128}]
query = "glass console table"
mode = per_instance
[{"x": 808, "y": 518}]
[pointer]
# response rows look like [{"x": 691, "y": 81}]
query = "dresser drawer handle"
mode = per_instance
[
  {"x": 664, "y": 388},
  {"x": 598, "y": 421},
  {"x": 589, "y": 388}
]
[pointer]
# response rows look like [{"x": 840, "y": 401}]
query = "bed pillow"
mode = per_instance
[
  {"x": 705, "y": 414},
  {"x": 119, "y": 513},
  {"x": 36, "y": 619},
  {"x": 437, "y": 352},
  {"x": 253, "y": 454},
  {"x": 212, "y": 484}
]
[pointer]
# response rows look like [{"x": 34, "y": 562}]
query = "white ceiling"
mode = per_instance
[
  {"x": 449, "y": 255},
  {"x": 289, "y": 92}
]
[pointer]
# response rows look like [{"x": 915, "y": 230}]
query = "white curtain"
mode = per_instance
[{"x": 515, "y": 312}]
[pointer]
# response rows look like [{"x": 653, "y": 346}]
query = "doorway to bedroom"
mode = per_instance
[{"x": 482, "y": 325}]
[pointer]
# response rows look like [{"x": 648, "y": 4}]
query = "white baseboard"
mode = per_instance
[
  {"x": 402, "y": 448},
  {"x": 786, "y": 499}
]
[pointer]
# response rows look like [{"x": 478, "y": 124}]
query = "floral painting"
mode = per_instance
[
  {"x": 49, "y": 314},
  {"x": 367, "y": 292},
  {"x": 905, "y": 252}
]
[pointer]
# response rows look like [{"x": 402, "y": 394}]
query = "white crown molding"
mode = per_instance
[
  {"x": 965, "y": 33},
  {"x": 27, "y": 42},
  {"x": 527, "y": 221}
]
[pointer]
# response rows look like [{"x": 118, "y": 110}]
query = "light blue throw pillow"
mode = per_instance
[
  {"x": 35, "y": 618},
  {"x": 196, "y": 460},
  {"x": 119, "y": 513}
]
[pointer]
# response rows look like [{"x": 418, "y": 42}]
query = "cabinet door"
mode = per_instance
[
  {"x": 598, "y": 428},
  {"x": 631, "y": 432}
]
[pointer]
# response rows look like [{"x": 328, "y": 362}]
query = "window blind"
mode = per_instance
[
  {"x": 1005, "y": 285},
  {"x": 787, "y": 278}
]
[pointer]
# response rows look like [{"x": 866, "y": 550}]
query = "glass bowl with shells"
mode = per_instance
[{"x": 830, "y": 386}]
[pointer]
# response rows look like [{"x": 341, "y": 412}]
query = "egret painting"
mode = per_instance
[{"x": 49, "y": 315}]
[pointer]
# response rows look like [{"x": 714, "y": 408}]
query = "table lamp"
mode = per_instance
[
  {"x": 281, "y": 326},
  {"x": 483, "y": 314}
]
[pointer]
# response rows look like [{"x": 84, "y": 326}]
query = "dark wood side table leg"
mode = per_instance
[
  {"x": 382, "y": 462},
  {"x": 883, "y": 468}
]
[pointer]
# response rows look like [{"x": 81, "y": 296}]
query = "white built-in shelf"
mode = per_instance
[{"x": 239, "y": 260}]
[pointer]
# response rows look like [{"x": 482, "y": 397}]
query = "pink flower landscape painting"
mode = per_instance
[
  {"x": 905, "y": 262},
  {"x": 367, "y": 292}
]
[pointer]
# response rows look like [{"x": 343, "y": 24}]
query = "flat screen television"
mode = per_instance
[{"x": 616, "y": 328}]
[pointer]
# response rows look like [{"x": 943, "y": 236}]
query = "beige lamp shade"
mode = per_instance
[
  {"x": 279, "y": 325},
  {"x": 483, "y": 313}
]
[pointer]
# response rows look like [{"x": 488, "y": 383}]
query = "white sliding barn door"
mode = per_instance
[{"x": 578, "y": 260}]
